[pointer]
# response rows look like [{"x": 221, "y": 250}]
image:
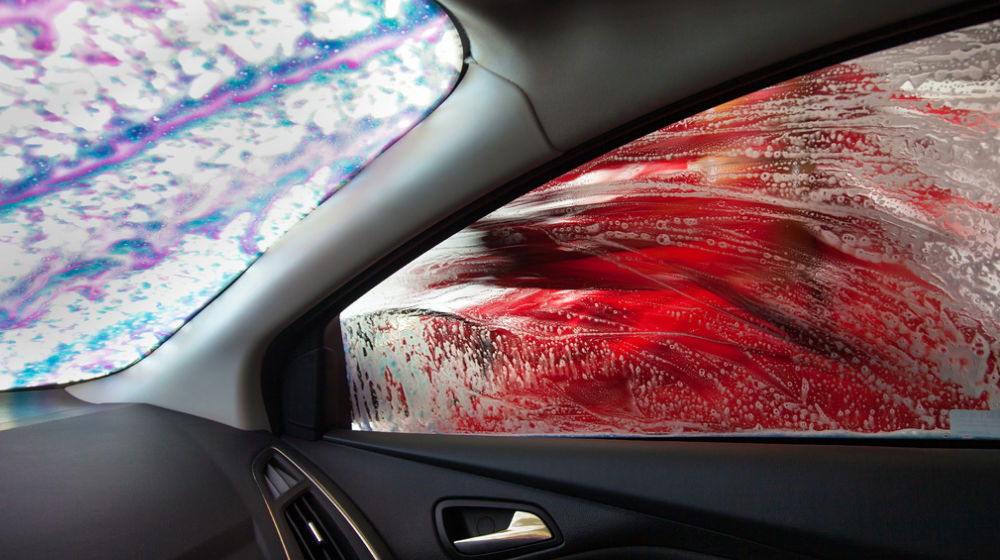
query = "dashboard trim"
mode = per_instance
[{"x": 341, "y": 510}]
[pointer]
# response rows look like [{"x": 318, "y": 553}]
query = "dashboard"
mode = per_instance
[{"x": 135, "y": 480}]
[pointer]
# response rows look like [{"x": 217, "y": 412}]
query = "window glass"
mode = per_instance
[
  {"x": 820, "y": 256},
  {"x": 149, "y": 152}
]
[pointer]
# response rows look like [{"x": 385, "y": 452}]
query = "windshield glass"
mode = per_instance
[{"x": 150, "y": 152}]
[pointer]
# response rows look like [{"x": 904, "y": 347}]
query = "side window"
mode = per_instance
[{"x": 817, "y": 256}]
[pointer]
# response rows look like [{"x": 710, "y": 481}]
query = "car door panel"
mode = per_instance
[
  {"x": 399, "y": 495},
  {"x": 735, "y": 499}
]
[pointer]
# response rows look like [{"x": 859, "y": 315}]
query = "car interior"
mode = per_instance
[{"x": 234, "y": 439}]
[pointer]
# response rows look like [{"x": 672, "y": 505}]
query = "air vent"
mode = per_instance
[
  {"x": 314, "y": 520},
  {"x": 311, "y": 530}
]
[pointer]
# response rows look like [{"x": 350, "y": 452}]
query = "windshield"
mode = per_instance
[{"x": 150, "y": 152}]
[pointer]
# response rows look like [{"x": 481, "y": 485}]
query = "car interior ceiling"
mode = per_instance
[{"x": 196, "y": 450}]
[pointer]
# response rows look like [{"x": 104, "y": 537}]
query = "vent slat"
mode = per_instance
[
  {"x": 276, "y": 483},
  {"x": 310, "y": 523},
  {"x": 307, "y": 523},
  {"x": 297, "y": 522},
  {"x": 279, "y": 478},
  {"x": 288, "y": 477}
]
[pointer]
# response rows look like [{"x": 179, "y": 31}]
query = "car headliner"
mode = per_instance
[{"x": 543, "y": 78}]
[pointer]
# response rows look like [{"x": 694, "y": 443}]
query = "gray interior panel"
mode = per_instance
[
  {"x": 584, "y": 76},
  {"x": 132, "y": 481}
]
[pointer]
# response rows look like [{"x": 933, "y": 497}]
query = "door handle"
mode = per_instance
[{"x": 524, "y": 528}]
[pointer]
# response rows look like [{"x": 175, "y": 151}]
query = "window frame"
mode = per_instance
[{"x": 304, "y": 345}]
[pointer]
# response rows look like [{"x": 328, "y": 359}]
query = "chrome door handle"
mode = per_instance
[{"x": 524, "y": 528}]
